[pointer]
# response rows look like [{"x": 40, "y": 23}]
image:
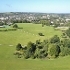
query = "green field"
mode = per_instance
[
  {"x": 28, "y": 33},
  {"x": 8, "y": 61}
]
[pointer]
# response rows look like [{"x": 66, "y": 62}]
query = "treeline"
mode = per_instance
[
  {"x": 52, "y": 48},
  {"x": 12, "y": 27},
  {"x": 13, "y": 21},
  {"x": 20, "y": 21}
]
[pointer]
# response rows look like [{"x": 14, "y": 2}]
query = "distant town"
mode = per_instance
[{"x": 23, "y": 17}]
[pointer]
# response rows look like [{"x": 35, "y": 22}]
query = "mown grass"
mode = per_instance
[
  {"x": 37, "y": 64},
  {"x": 28, "y": 33},
  {"x": 8, "y": 61}
]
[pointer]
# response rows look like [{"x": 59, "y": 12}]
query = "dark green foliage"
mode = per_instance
[
  {"x": 18, "y": 51},
  {"x": 20, "y": 21},
  {"x": 39, "y": 46},
  {"x": 48, "y": 48},
  {"x": 45, "y": 22},
  {"x": 64, "y": 35},
  {"x": 64, "y": 51},
  {"x": 41, "y": 49},
  {"x": 42, "y": 25},
  {"x": 15, "y": 26},
  {"x": 36, "y": 53},
  {"x": 45, "y": 41},
  {"x": 38, "y": 42},
  {"x": 1, "y": 24},
  {"x": 66, "y": 43},
  {"x": 40, "y": 34},
  {"x": 55, "y": 39},
  {"x": 56, "y": 25},
  {"x": 18, "y": 47},
  {"x": 54, "y": 50},
  {"x": 31, "y": 47},
  {"x": 40, "y": 53},
  {"x": 68, "y": 32},
  {"x": 27, "y": 54}
]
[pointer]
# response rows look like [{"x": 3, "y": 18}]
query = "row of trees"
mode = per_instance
[
  {"x": 20, "y": 21},
  {"x": 53, "y": 47}
]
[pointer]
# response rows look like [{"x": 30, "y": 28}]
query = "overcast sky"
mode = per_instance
[{"x": 44, "y": 6}]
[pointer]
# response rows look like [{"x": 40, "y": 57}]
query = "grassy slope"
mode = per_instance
[
  {"x": 19, "y": 36},
  {"x": 37, "y": 64},
  {"x": 9, "y": 62}
]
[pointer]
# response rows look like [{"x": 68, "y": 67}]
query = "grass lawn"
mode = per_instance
[
  {"x": 8, "y": 61},
  {"x": 28, "y": 33}
]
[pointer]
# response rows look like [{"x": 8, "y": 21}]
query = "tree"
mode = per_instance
[
  {"x": 45, "y": 22},
  {"x": 1, "y": 23},
  {"x": 41, "y": 34},
  {"x": 38, "y": 42},
  {"x": 64, "y": 51},
  {"x": 64, "y": 35},
  {"x": 54, "y": 50},
  {"x": 55, "y": 39},
  {"x": 68, "y": 32},
  {"x": 31, "y": 47},
  {"x": 18, "y": 47},
  {"x": 41, "y": 49},
  {"x": 40, "y": 53},
  {"x": 15, "y": 26},
  {"x": 18, "y": 52},
  {"x": 66, "y": 43}
]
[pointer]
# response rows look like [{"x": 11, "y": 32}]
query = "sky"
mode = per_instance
[{"x": 42, "y": 6}]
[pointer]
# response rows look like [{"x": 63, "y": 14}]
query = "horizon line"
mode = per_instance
[{"x": 38, "y": 12}]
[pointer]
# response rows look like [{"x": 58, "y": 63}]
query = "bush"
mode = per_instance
[
  {"x": 66, "y": 43},
  {"x": 68, "y": 32},
  {"x": 55, "y": 39},
  {"x": 64, "y": 35},
  {"x": 64, "y": 51},
  {"x": 40, "y": 34},
  {"x": 18, "y": 53},
  {"x": 18, "y": 47},
  {"x": 38, "y": 42},
  {"x": 15, "y": 26},
  {"x": 31, "y": 47},
  {"x": 40, "y": 53},
  {"x": 27, "y": 54},
  {"x": 54, "y": 50}
]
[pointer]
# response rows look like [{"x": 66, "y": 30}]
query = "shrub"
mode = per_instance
[
  {"x": 38, "y": 42},
  {"x": 54, "y": 50},
  {"x": 18, "y": 47},
  {"x": 64, "y": 51},
  {"x": 68, "y": 32},
  {"x": 66, "y": 43},
  {"x": 31, "y": 47},
  {"x": 55, "y": 39},
  {"x": 26, "y": 54},
  {"x": 40, "y": 53},
  {"x": 15, "y": 26},
  {"x": 18, "y": 53},
  {"x": 40, "y": 34}
]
